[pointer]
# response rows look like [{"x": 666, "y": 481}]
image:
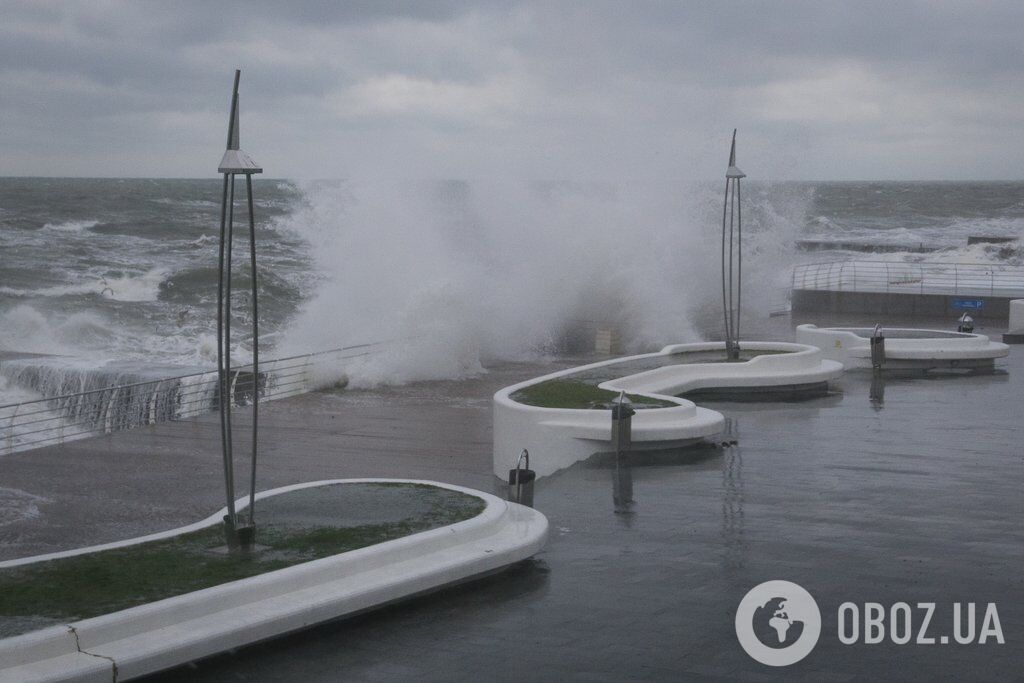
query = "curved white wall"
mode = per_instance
[
  {"x": 155, "y": 636},
  {"x": 1016, "y": 315},
  {"x": 559, "y": 437},
  {"x": 854, "y": 351}
]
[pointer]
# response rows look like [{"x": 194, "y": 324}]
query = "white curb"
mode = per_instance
[
  {"x": 155, "y": 636},
  {"x": 559, "y": 437},
  {"x": 905, "y": 348}
]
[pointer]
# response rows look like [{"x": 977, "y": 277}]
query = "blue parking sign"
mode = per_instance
[{"x": 968, "y": 304}]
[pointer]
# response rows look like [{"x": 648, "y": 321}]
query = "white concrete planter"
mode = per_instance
[
  {"x": 905, "y": 348},
  {"x": 1016, "y": 321},
  {"x": 163, "y": 634},
  {"x": 558, "y": 437}
]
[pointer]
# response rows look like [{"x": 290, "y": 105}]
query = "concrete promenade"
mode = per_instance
[
  {"x": 167, "y": 475},
  {"x": 903, "y": 491},
  {"x": 911, "y": 496}
]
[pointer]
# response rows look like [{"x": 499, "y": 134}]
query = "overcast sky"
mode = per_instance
[{"x": 552, "y": 90}]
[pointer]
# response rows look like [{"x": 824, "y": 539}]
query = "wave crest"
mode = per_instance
[
  {"x": 144, "y": 287},
  {"x": 71, "y": 226},
  {"x": 464, "y": 274}
]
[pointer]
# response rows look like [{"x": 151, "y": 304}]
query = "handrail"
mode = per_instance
[
  {"x": 197, "y": 374},
  {"x": 57, "y": 419},
  {"x": 921, "y": 277}
]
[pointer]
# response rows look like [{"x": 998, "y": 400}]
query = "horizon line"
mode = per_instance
[{"x": 553, "y": 180}]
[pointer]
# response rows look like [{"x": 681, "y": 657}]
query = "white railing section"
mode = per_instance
[
  {"x": 965, "y": 279},
  {"x": 56, "y": 419}
]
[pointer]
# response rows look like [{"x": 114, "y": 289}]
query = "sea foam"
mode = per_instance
[{"x": 464, "y": 274}]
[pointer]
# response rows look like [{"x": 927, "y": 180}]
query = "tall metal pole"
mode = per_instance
[
  {"x": 222, "y": 386},
  {"x": 732, "y": 304},
  {"x": 233, "y": 133},
  {"x": 726, "y": 308},
  {"x": 255, "y": 351},
  {"x": 230, "y": 472},
  {"x": 732, "y": 266},
  {"x": 233, "y": 163},
  {"x": 739, "y": 258}
]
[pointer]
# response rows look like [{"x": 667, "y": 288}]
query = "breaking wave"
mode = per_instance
[
  {"x": 71, "y": 226},
  {"x": 144, "y": 287},
  {"x": 465, "y": 274}
]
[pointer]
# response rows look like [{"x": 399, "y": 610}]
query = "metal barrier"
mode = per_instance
[
  {"x": 967, "y": 279},
  {"x": 56, "y": 419}
]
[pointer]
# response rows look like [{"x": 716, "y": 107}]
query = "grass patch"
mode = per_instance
[
  {"x": 571, "y": 393},
  {"x": 580, "y": 390},
  {"x": 98, "y": 583}
]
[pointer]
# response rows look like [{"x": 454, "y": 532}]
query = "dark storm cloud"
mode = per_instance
[{"x": 606, "y": 89}]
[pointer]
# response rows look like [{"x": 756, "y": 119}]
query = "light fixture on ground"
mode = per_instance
[
  {"x": 238, "y": 533},
  {"x": 622, "y": 439},
  {"x": 732, "y": 255}
]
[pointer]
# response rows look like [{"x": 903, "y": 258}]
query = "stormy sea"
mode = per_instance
[{"x": 116, "y": 278}]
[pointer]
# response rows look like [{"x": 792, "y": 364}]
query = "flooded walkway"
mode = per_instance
[
  {"x": 913, "y": 495},
  {"x": 167, "y": 475}
]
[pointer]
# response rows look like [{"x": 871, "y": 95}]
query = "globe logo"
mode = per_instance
[
  {"x": 774, "y": 627},
  {"x": 778, "y": 623}
]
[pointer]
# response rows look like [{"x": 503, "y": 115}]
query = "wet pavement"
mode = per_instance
[
  {"x": 911, "y": 491},
  {"x": 168, "y": 475},
  {"x": 916, "y": 498}
]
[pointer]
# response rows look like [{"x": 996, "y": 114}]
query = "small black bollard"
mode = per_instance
[
  {"x": 877, "y": 348},
  {"x": 622, "y": 439},
  {"x": 622, "y": 424},
  {"x": 521, "y": 480}
]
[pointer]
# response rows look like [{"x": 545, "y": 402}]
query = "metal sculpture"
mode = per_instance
[
  {"x": 732, "y": 237},
  {"x": 239, "y": 533}
]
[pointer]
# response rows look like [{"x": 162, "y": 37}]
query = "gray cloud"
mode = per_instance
[{"x": 603, "y": 90}]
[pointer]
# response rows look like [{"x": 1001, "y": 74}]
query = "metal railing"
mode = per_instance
[
  {"x": 967, "y": 279},
  {"x": 56, "y": 419}
]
